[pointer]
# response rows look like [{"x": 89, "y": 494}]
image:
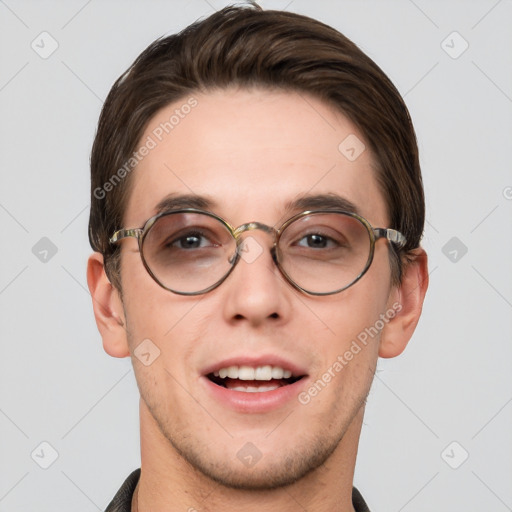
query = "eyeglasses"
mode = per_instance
[{"x": 191, "y": 252}]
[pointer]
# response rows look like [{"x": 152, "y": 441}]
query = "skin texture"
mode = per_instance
[{"x": 251, "y": 151}]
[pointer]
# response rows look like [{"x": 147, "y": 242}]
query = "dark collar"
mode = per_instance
[{"x": 122, "y": 501}]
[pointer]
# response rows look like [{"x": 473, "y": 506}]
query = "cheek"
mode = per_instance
[
  {"x": 159, "y": 335},
  {"x": 357, "y": 310},
  {"x": 353, "y": 322},
  {"x": 161, "y": 321},
  {"x": 151, "y": 311}
]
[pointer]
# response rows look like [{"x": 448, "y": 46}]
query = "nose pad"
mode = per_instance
[
  {"x": 234, "y": 259},
  {"x": 273, "y": 253}
]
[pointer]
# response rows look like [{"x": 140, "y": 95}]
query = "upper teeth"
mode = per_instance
[{"x": 249, "y": 373}]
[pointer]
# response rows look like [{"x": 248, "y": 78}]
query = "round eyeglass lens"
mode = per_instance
[
  {"x": 325, "y": 252},
  {"x": 188, "y": 252}
]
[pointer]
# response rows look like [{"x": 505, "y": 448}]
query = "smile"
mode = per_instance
[{"x": 247, "y": 379}]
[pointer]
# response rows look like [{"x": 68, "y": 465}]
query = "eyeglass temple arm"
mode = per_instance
[
  {"x": 125, "y": 233},
  {"x": 392, "y": 235}
]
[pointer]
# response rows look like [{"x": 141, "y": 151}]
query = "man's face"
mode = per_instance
[{"x": 249, "y": 153}]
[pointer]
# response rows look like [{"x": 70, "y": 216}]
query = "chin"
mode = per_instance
[{"x": 249, "y": 470}]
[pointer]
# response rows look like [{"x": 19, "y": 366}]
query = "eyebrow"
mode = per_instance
[
  {"x": 176, "y": 201},
  {"x": 322, "y": 202}
]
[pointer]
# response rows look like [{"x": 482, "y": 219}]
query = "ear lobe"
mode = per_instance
[
  {"x": 407, "y": 300},
  {"x": 108, "y": 308}
]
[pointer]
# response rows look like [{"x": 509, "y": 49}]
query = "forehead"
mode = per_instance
[{"x": 250, "y": 153}]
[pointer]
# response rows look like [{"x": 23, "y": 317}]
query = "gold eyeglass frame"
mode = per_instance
[{"x": 392, "y": 235}]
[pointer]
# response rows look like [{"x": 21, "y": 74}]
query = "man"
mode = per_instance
[{"x": 257, "y": 209}]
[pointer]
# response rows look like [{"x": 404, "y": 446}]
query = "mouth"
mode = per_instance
[
  {"x": 254, "y": 384},
  {"x": 254, "y": 379}
]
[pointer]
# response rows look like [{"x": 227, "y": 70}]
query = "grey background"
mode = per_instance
[{"x": 453, "y": 383}]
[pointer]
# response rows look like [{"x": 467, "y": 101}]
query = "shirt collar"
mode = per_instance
[{"x": 122, "y": 501}]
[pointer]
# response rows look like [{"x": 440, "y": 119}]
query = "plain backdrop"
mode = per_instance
[{"x": 437, "y": 433}]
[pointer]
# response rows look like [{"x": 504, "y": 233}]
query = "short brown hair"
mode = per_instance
[{"x": 246, "y": 47}]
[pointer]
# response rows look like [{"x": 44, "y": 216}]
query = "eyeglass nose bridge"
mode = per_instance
[{"x": 251, "y": 226}]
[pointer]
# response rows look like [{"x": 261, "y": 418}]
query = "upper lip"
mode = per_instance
[{"x": 254, "y": 361}]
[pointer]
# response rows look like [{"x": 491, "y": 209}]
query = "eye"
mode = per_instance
[
  {"x": 317, "y": 241},
  {"x": 190, "y": 240}
]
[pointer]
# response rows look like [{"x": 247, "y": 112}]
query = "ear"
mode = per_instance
[
  {"x": 407, "y": 300},
  {"x": 108, "y": 308}
]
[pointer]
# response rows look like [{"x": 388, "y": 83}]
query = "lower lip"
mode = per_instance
[{"x": 257, "y": 402}]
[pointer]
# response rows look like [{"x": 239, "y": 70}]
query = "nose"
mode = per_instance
[{"x": 255, "y": 291}]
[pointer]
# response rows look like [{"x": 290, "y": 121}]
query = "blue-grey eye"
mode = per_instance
[
  {"x": 315, "y": 241},
  {"x": 191, "y": 241}
]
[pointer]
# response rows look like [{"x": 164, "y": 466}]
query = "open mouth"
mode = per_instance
[{"x": 250, "y": 379}]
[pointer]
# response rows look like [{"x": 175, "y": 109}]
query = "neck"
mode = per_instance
[{"x": 169, "y": 483}]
